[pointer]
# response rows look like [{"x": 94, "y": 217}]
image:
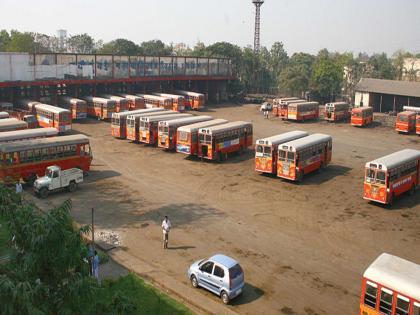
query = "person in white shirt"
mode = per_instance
[
  {"x": 166, "y": 227},
  {"x": 19, "y": 190}
]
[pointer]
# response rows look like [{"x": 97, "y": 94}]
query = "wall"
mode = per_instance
[{"x": 361, "y": 96}]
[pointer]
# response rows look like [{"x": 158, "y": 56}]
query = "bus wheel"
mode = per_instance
[{"x": 412, "y": 190}]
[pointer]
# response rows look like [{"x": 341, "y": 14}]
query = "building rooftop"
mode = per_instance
[{"x": 392, "y": 87}]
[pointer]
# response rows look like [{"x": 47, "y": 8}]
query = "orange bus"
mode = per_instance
[
  {"x": 121, "y": 103},
  {"x": 77, "y": 107},
  {"x": 99, "y": 107},
  {"x": 26, "y": 134},
  {"x": 148, "y": 130},
  {"x": 119, "y": 121},
  {"x": 406, "y": 122},
  {"x": 28, "y": 159},
  {"x": 284, "y": 107},
  {"x": 157, "y": 101},
  {"x": 167, "y": 130},
  {"x": 216, "y": 142},
  {"x": 266, "y": 150},
  {"x": 417, "y": 111},
  {"x": 361, "y": 116},
  {"x": 133, "y": 121},
  {"x": 187, "y": 136},
  {"x": 302, "y": 156},
  {"x": 193, "y": 100},
  {"x": 392, "y": 175},
  {"x": 418, "y": 123},
  {"x": 337, "y": 111},
  {"x": 52, "y": 116},
  {"x": 391, "y": 285},
  {"x": 4, "y": 115},
  {"x": 178, "y": 101},
  {"x": 10, "y": 124},
  {"x": 278, "y": 101},
  {"x": 134, "y": 101},
  {"x": 303, "y": 111}
]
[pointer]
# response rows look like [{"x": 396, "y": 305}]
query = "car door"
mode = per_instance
[
  {"x": 55, "y": 180},
  {"x": 218, "y": 278},
  {"x": 205, "y": 276}
]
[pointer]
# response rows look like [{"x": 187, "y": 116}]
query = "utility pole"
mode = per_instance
[
  {"x": 93, "y": 229},
  {"x": 258, "y": 4}
]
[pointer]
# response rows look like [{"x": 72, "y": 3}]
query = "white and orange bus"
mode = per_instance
[
  {"x": 302, "y": 156},
  {"x": 391, "y": 176},
  {"x": 361, "y": 116},
  {"x": 303, "y": 111},
  {"x": 405, "y": 122},
  {"x": 193, "y": 100},
  {"x": 10, "y": 124},
  {"x": 99, "y": 107},
  {"x": 148, "y": 130},
  {"x": 187, "y": 136},
  {"x": 4, "y": 115},
  {"x": 134, "y": 101},
  {"x": 167, "y": 130},
  {"x": 178, "y": 101},
  {"x": 28, "y": 159},
  {"x": 278, "y": 101},
  {"x": 337, "y": 111},
  {"x": 284, "y": 107},
  {"x": 391, "y": 285},
  {"x": 417, "y": 111},
  {"x": 119, "y": 121},
  {"x": 52, "y": 116},
  {"x": 121, "y": 103},
  {"x": 26, "y": 134},
  {"x": 133, "y": 122},
  {"x": 77, "y": 107},
  {"x": 216, "y": 142},
  {"x": 157, "y": 101},
  {"x": 266, "y": 150}
]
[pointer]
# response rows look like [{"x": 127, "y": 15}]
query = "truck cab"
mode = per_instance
[{"x": 56, "y": 179}]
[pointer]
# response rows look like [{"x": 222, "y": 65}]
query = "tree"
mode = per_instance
[
  {"x": 21, "y": 42},
  {"x": 81, "y": 44},
  {"x": 155, "y": 48},
  {"x": 4, "y": 40},
  {"x": 120, "y": 46},
  {"x": 295, "y": 77},
  {"x": 278, "y": 58},
  {"x": 381, "y": 67}
]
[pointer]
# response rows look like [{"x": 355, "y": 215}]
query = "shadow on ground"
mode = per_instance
[{"x": 249, "y": 294}]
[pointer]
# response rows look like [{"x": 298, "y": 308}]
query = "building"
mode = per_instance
[{"x": 387, "y": 95}]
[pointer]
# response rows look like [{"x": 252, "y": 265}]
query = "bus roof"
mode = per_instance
[
  {"x": 98, "y": 99},
  {"x": 304, "y": 103},
  {"x": 10, "y": 122},
  {"x": 412, "y": 109},
  {"x": 130, "y": 96},
  {"x": 52, "y": 109},
  {"x": 406, "y": 113},
  {"x": 397, "y": 274},
  {"x": 159, "y": 112},
  {"x": 185, "y": 121},
  {"x": 333, "y": 104},
  {"x": 42, "y": 143},
  {"x": 154, "y": 97},
  {"x": 362, "y": 109},
  {"x": 227, "y": 126},
  {"x": 169, "y": 95},
  {"x": 70, "y": 99},
  {"x": 288, "y": 102},
  {"x": 25, "y": 133},
  {"x": 203, "y": 124},
  {"x": 282, "y": 138},
  {"x": 4, "y": 115},
  {"x": 395, "y": 159},
  {"x": 137, "y": 111},
  {"x": 303, "y": 143},
  {"x": 284, "y": 99},
  {"x": 113, "y": 97},
  {"x": 189, "y": 93},
  {"x": 163, "y": 117}
]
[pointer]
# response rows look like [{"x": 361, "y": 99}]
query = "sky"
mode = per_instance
[{"x": 302, "y": 25}]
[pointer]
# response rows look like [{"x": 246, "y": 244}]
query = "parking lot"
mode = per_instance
[{"x": 303, "y": 247}]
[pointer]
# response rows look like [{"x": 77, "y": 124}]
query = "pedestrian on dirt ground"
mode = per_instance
[
  {"x": 266, "y": 114},
  {"x": 95, "y": 266},
  {"x": 166, "y": 227},
  {"x": 19, "y": 190}
]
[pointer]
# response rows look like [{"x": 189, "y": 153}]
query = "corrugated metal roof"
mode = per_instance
[{"x": 392, "y": 87}]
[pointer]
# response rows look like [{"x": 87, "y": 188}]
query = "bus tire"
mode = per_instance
[
  {"x": 43, "y": 193},
  {"x": 412, "y": 190},
  {"x": 72, "y": 186}
]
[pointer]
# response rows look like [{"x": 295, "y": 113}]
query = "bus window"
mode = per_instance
[
  {"x": 282, "y": 155},
  {"x": 370, "y": 294},
  {"x": 385, "y": 305},
  {"x": 370, "y": 176},
  {"x": 403, "y": 305},
  {"x": 416, "y": 308},
  {"x": 267, "y": 151},
  {"x": 290, "y": 156},
  {"x": 260, "y": 150},
  {"x": 403, "y": 118},
  {"x": 380, "y": 177}
]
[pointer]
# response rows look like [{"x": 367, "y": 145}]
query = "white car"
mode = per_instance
[
  {"x": 55, "y": 179},
  {"x": 266, "y": 106}
]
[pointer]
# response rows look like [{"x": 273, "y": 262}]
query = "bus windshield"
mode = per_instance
[
  {"x": 402, "y": 118},
  {"x": 370, "y": 176},
  {"x": 356, "y": 114}
]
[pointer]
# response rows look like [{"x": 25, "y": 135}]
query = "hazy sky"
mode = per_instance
[{"x": 302, "y": 25}]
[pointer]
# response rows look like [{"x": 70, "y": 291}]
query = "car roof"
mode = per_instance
[{"x": 224, "y": 260}]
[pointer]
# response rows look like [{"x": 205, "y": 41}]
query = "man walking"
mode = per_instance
[
  {"x": 19, "y": 190},
  {"x": 95, "y": 266},
  {"x": 166, "y": 227}
]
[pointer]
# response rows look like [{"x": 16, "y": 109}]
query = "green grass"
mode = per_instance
[
  {"x": 147, "y": 299},
  {"x": 4, "y": 237}
]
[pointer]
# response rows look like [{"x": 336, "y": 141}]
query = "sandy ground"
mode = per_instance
[{"x": 304, "y": 247}]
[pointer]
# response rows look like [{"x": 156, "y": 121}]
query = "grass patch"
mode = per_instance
[{"x": 147, "y": 299}]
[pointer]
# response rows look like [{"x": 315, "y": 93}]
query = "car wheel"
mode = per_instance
[
  {"x": 43, "y": 193},
  {"x": 72, "y": 186},
  {"x": 194, "y": 281},
  {"x": 225, "y": 297}
]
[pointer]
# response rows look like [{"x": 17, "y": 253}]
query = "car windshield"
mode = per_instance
[
  {"x": 235, "y": 271},
  {"x": 49, "y": 173}
]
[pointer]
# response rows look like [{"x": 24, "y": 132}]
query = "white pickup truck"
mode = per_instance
[{"x": 56, "y": 179}]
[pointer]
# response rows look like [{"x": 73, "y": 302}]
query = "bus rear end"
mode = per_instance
[
  {"x": 117, "y": 130},
  {"x": 375, "y": 184},
  {"x": 187, "y": 142},
  {"x": 283, "y": 111},
  {"x": 205, "y": 146},
  {"x": 357, "y": 117},
  {"x": 64, "y": 121},
  {"x": 108, "y": 108},
  {"x": 132, "y": 128},
  {"x": 265, "y": 158},
  {"x": 405, "y": 122},
  {"x": 79, "y": 110},
  {"x": 286, "y": 163}
]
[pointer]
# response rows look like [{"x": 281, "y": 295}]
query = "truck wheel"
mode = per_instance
[
  {"x": 43, "y": 193},
  {"x": 72, "y": 186}
]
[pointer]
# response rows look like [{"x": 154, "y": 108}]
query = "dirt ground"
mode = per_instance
[{"x": 304, "y": 247}]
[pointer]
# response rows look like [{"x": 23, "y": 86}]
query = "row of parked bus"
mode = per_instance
[
  {"x": 198, "y": 135},
  {"x": 293, "y": 154},
  {"x": 408, "y": 121}
]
